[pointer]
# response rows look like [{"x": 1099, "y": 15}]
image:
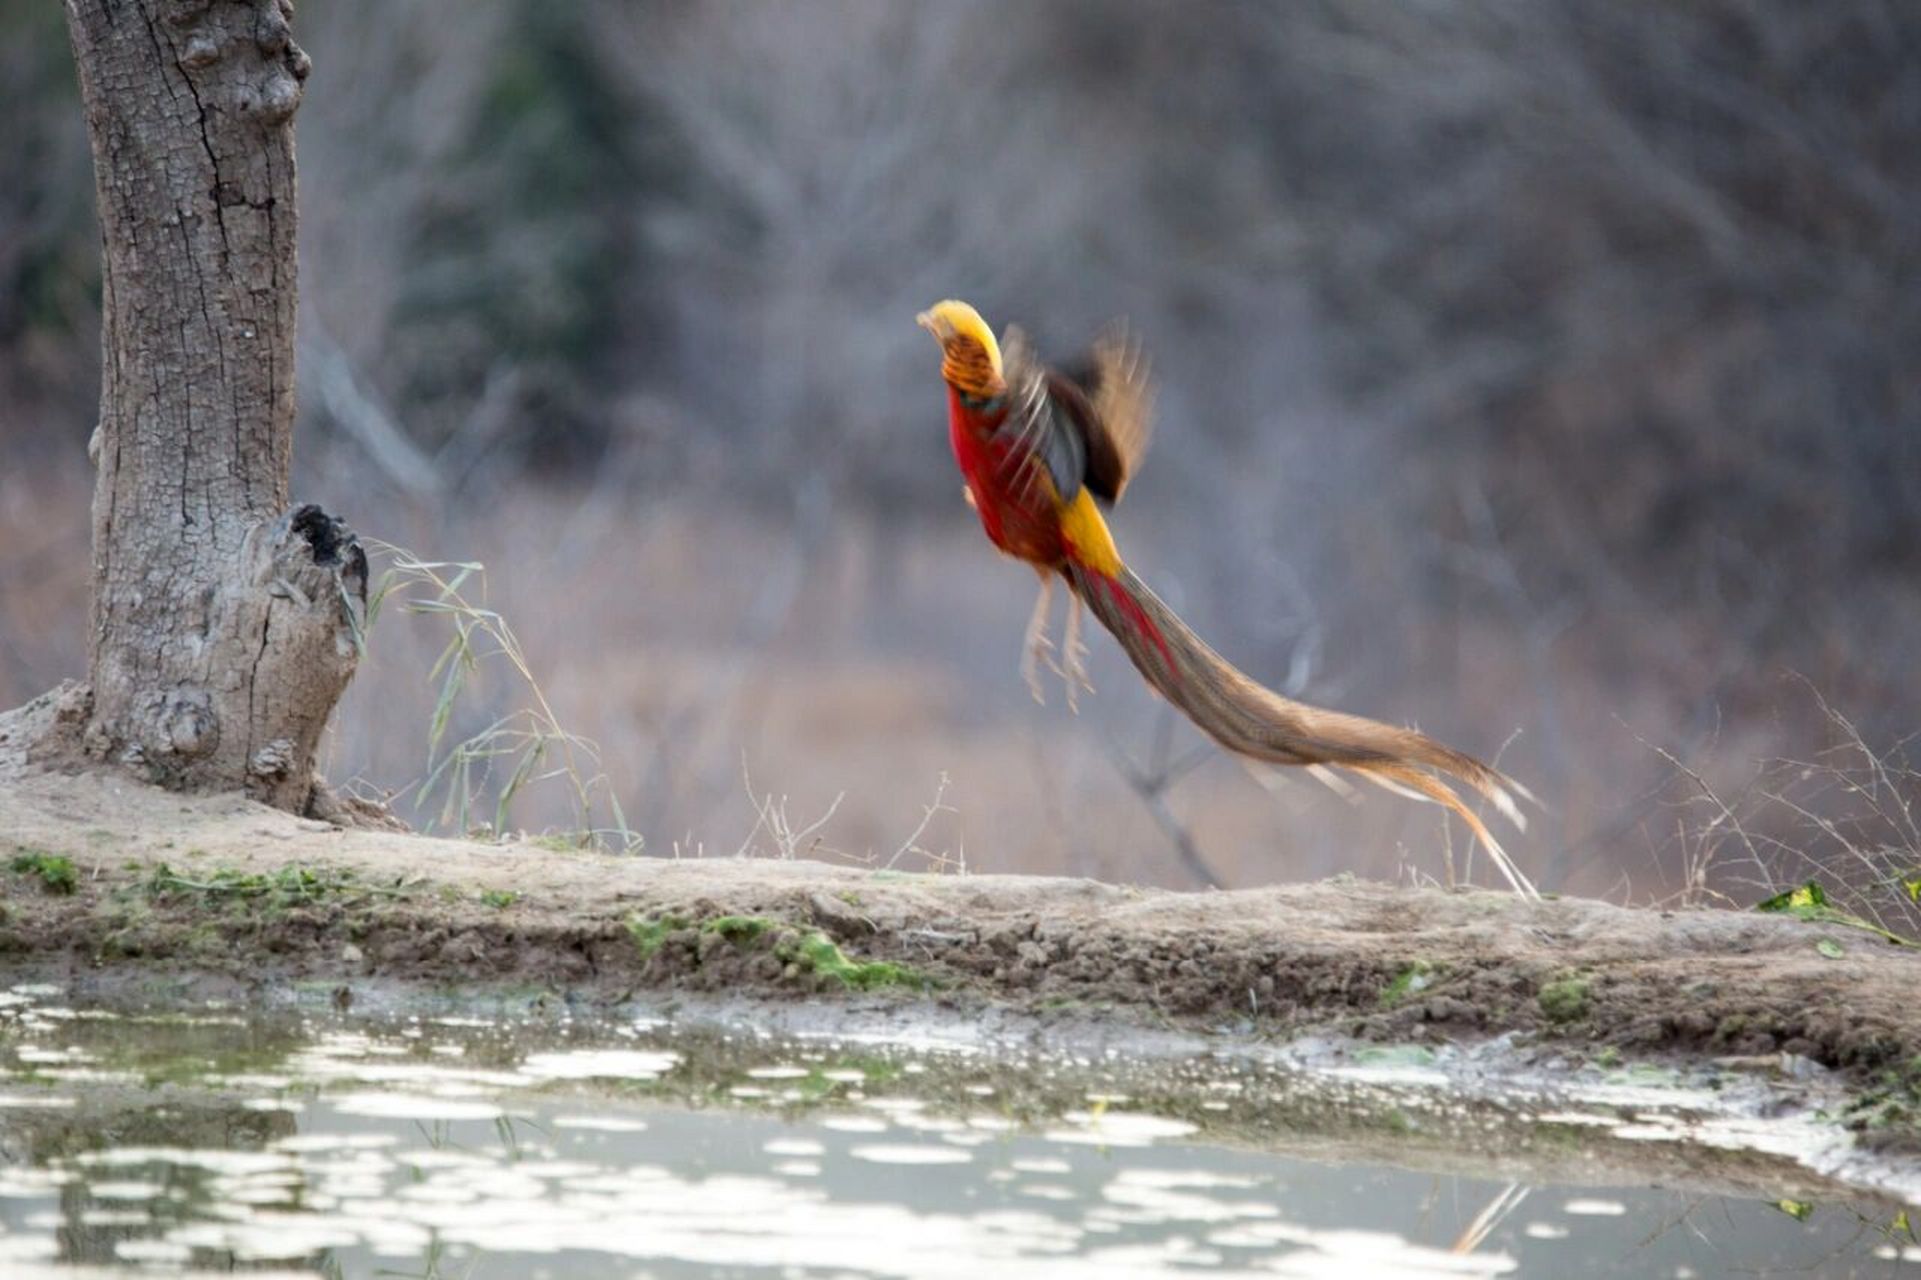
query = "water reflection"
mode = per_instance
[{"x": 174, "y": 1144}]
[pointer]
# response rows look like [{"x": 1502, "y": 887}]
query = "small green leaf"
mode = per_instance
[
  {"x": 1796, "y": 1209},
  {"x": 1809, "y": 895},
  {"x": 1914, "y": 888},
  {"x": 1829, "y": 948}
]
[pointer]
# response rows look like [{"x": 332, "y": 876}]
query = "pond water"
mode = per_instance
[{"x": 456, "y": 1146}]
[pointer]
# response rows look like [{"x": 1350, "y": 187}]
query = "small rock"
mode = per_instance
[
  {"x": 1797, "y": 1066},
  {"x": 838, "y": 916}
]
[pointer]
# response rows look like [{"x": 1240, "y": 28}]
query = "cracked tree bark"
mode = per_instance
[{"x": 225, "y": 622}]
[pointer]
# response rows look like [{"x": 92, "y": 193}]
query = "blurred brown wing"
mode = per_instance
[{"x": 1110, "y": 398}]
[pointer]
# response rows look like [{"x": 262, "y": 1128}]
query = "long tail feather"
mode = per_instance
[
  {"x": 1425, "y": 786},
  {"x": 1251, "y": 720}
]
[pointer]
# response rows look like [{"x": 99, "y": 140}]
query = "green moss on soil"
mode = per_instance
[
  {"x": 816, "y": 953},
  {"x": 808, "y": 952},
  {"x": 1565, "y": 999},
  {"x": 270, "y": 892},
  {"x": 55, "y": 872},
  {"x": 650, "y": 932},
  {"x": 740, "y": 930},
  {"x": 1415, "y": 978}
]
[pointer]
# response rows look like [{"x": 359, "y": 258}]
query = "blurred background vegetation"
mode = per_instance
[{"x": 1543, "y": 368}]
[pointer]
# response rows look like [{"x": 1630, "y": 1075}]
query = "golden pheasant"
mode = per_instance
[{"x": 1040, "y": 452}]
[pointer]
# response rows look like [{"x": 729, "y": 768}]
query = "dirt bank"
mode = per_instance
[{"x": 217, "y": 885}]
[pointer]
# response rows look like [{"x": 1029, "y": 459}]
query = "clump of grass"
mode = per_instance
[
  {"x": 499, "y": 899},
  {"x": 1810, "y": 902},
  {"x": 791, "y": 839},
  {"x": 803, "y": 839},
  {"x": 1835, "y": 837},
  {"x": 474, "y": 782},
  {"x": 55, "y": 871}
]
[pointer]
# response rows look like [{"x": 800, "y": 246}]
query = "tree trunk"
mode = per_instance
[{"x": 225, "y": 624}]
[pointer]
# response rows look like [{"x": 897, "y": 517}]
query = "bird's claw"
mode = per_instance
[
  {"x": 1074, "y": 658},
  {"x": 1073, "y": 670},
  {"x": 1040, "y": 650}
]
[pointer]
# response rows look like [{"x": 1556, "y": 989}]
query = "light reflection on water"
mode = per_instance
[{"x": 458, "y": 1147}]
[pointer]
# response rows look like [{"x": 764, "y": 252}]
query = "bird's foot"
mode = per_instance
[
  {"x": 1038, "y": 652},
  {"x": 1036, "y": 648},
  {"x": 1074, "y": 672},
  {"x": 1073, "y": 668}
]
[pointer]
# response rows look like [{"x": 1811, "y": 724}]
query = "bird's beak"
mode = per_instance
[{"x": 930, "y": 322}]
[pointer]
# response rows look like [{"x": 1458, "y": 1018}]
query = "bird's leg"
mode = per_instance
[
  {"x": 1036, "y": 647},
  {"x": 1074, "y": 655}
]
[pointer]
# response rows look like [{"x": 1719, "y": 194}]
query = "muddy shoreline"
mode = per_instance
[
  {"x": 220, "y": 891},
  {"x": 1337, "y": 1104}
]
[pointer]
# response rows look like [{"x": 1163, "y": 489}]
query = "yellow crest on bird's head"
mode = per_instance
[{"x": 970, "y": 357}]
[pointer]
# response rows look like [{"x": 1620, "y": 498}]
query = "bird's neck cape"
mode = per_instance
[{"x": 971, "y": 357}]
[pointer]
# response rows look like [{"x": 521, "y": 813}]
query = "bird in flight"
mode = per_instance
[{"x": 1042, "y": 451}]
